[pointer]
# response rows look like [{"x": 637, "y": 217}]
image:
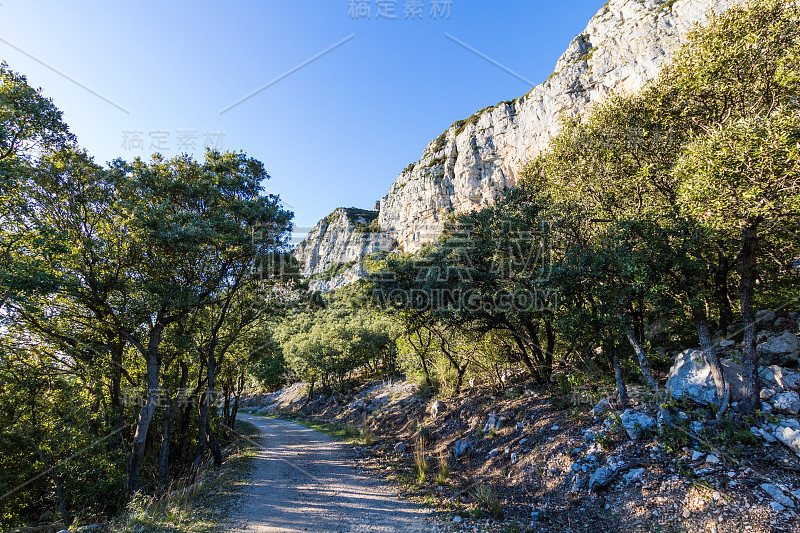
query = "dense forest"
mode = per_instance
[
  {"x": 133, "y": 299},
  {"x": 140, "y": 299},
  {"x": 658, "y": 221}
]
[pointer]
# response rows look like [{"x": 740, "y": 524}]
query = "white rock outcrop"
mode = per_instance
[
  {"x": 475, "y": 161},
  {"x": 332, "y": 252}
]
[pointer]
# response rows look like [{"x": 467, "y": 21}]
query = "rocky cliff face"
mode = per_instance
[
  {"x": 476, "y": 160},
  {"x": 332, "y": 251}
]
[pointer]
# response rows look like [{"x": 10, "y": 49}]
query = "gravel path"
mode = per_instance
[{"x": 305, "y": 482}]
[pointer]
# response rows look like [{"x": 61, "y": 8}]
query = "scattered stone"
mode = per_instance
[
  {"x": 493, "y": 453},
  {"x": 712, "y": 459},
  {"x": 780, "y": 350},
  {"x": 400, "y": 447},
  {"x": 493, "y": 423},
  {"x": 784, "y": 323},
  {"x": 554, "y": 428},
  {"x": 786, "y": 403},
  {"x": 601, "y": 478},
  {"x": 457, "y": 519},
  {"x": 696, "y": 456},
  {"x": 514, "y": 458},
  {"x": 460, "y": 448},
  {"x": 634, "y": 475},
  {"x": 602, "y": 407},
  {"x": 767, "y": 436},
  {"x": 777, "y": 494},
  {"x": 778, "y": 508},
  {"x": 767, "y": 394},
  {"x": 780, "y": 379},
  {"x": 687, "y": 513},
  {"x": 636, "y": 423},
  {"x": 766, "y": 318},
  {"x": 726, "y": 343},
  {"x": 437, "y": 407}
]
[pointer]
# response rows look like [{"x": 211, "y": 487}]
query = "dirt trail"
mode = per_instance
[{"x": 305, "y": 482}]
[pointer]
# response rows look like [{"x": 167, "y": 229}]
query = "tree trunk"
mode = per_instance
[
  {"x": 551, "y": 346},
  {"x": 611, "y": 351},
  {"x": 641, "y": 356},
  {"x": 711, "y": 355},
  {"x": 166, "y": 432},
  {"x": 117, "y": 407},
  {"x": 136, "y": 457},
  {"x": 748, "y": 252},
  {"x": 62, "y": 501},
  {"x": 206, "y": 401},
  {"x": 721, "y": 296}
]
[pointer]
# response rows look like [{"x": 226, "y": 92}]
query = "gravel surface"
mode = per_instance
[{"x": 305, "y": 481}]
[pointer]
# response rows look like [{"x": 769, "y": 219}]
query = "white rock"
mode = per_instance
[
  {"x": 602, "y": 407},
  {"x": 474, "y": 162},
  {"x": 400, "y": 447},
  {"x": 437, "y": 408},
  {"x": 786, "y": 403},
  {"x": 690, "y": 376},
  {"x": 634, "y": 475},
  {"x": 790, "y": 437},
  {"x": 457, "y": 520},
  {"x": 780, "y": 379},
  {"x": 636, "y": 423},
  {"x": 777, "y": 494},
  {"x": 696, "y": 456},
  {"x": 780, "y": 349},
  {"x": 712, "y": 459}
]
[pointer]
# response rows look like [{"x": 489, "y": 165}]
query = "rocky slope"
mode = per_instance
[
  {"x": 471, "y": 164},
  {"x": 332, "y": 251}
]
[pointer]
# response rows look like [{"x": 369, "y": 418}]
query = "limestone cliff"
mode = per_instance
[
  {"x": 332, "y": 251},
  {"x": 471, "y": 164}
]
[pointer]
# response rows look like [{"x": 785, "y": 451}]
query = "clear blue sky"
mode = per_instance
[{"x": 336, "y": 132}]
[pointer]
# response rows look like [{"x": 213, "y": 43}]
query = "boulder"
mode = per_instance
[
  {"x": 780, "y": 379},
  {"x": 601, "y": 478},
  {"x": 602, "y": 407},
  {"x": 690, "y": 376},
  {"x": 636, "y": 423},
  {"x": 437, "y": 408},
  {"x": 789, "y": 434},
  {"x": 785, "y": 323},
  {"x": 635, "y": 475},
  {"x": 777, "y": 494},
  {"x": 765, "y": 318},
  {"x": 783, "y": 349},
  {"x": 786, "y": 403},
  {"x": 493, "y": 422},
  {"x": 460, "y": 448}
]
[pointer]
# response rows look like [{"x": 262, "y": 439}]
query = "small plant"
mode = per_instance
[
  {"x": 351, "y": 431},
  {"x": 444, "y": 470},
  {"x": 365, "y": 433},
  {"x": 486, "y": 498},
  {"x": 420, "y": 461}
]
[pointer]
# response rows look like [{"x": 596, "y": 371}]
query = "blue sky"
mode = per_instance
[{"x": 137, "y": 77}]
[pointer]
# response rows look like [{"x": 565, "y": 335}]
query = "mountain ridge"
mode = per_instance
[{"x": 476, "y": 160}]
